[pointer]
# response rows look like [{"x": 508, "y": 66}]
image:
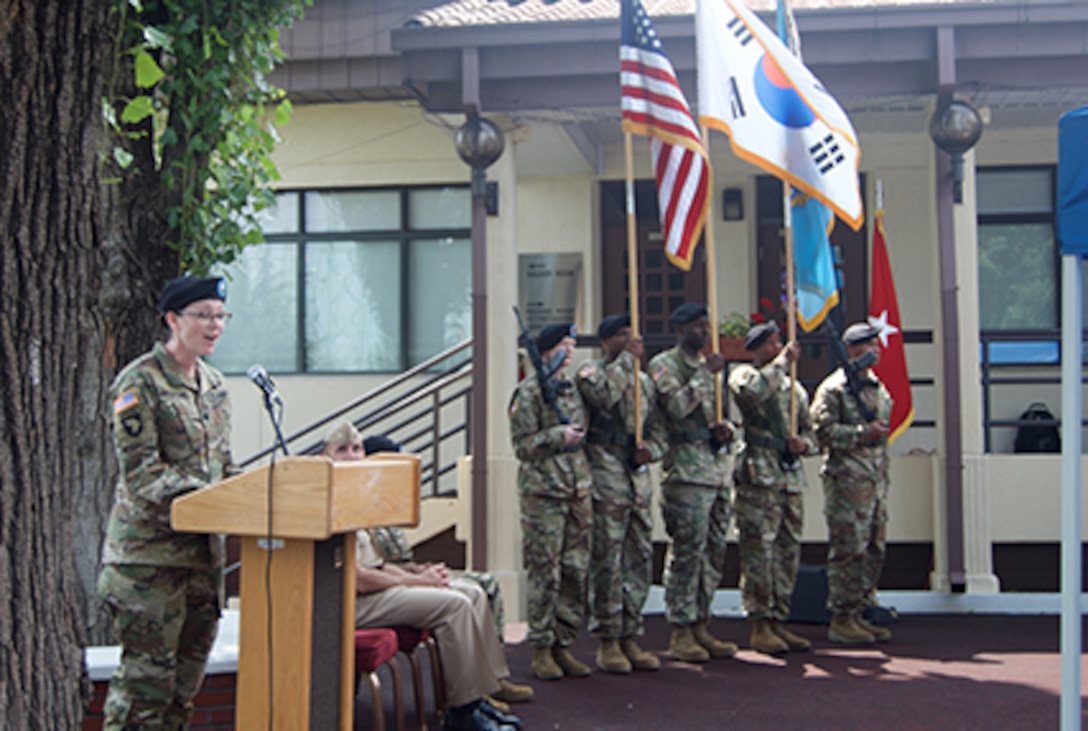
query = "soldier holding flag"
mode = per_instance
[
  {"x": 770, "y": 483},
  {"x": 696, "y": 500},
  {"x": 621, "y": 565}
]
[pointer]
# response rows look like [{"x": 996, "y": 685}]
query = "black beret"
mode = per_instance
[
  {"x": 550, "y": 335},
  {"x": 186, "y": 290},
  {"x": 611, "y": 325},
  {"x": 860, "y": 332},
  {"x": 758, "y": 334},
  {"x": 687, "y": 312},
  {"x": 380, "y": 443}
]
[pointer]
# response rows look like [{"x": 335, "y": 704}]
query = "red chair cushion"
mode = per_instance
[
  {"x": 373, "y": 648},
  {"x": 408, "y": 638}
]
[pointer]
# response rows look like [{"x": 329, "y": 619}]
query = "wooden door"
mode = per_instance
[
  {"x": 851, "y": 254},
  {"x": 662, "y": 286}
]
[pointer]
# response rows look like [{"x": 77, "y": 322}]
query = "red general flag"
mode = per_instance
[
  {"x": 654, "y": 105},
  {"x": 884, "y": 313}
]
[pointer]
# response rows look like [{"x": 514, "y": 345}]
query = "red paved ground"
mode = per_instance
[{"x": 939, "y": 673}]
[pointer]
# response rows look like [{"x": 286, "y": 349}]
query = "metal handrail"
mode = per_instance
[
  {"x": 368, "y": 396},
  {"x": 420, "y": 408}
]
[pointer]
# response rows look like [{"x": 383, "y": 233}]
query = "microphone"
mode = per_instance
[{"x": 263, "y": 381}]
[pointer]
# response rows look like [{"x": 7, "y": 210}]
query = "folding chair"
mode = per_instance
[{"x": 373, "y": 649}]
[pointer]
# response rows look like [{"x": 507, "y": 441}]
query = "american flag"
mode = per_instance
[{"x": 654, "y": 106}]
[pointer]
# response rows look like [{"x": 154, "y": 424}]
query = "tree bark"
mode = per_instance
[{"x": 51, "y": 346}]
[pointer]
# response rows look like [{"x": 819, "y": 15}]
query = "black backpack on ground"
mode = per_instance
[{"x": 1037, "y": 437}]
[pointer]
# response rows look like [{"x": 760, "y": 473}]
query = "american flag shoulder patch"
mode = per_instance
[
  {"x": 126, "y": 401},
  {"x": 659, "y": 373},
  {"x": 587, "y": 370}
]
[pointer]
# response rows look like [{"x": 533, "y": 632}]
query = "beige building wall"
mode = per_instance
[{"x": 549, "y": 203}]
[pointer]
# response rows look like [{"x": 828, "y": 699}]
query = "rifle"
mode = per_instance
[
  {"x": 853, "y": 369},
  {"x": 545, "y": 372}
]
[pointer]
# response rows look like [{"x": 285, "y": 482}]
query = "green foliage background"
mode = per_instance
[{"x": 203, "y": 102}]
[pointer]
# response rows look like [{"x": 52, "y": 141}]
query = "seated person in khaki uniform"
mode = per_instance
[
  {"x": 395, "y": 549},
  {"x": 472, "y": 658}
]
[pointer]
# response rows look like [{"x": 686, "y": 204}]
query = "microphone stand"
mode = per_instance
[{"x": 275, "y": 421}]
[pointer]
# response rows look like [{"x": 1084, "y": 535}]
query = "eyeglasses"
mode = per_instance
[{"x": 205, "y": 317}]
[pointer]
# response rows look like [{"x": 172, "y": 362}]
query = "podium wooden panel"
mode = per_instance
[{"x": 297, "y": 519}]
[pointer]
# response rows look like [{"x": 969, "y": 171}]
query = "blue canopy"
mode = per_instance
[{"x": 1073, "y": 182}]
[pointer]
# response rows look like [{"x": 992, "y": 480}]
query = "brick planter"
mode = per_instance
[{"x": 214, "y": 704}]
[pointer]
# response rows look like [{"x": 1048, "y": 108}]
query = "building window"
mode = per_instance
[
  {"x": 1017, "y": 262},
  {"x": 352, "y": 282}
]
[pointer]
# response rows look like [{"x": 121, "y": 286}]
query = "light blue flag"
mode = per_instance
[
  {"x": 814, "y": 268},
  {"x": 811, "y": 221}
]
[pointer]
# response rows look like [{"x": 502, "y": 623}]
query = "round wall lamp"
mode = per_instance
[{"x": 955, "y": 127}]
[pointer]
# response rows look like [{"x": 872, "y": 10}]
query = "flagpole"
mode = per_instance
[
  {"x": 632, "y": 274},
  {"x": 712, "y": 291},
  {"x": 791, "y": 304}
]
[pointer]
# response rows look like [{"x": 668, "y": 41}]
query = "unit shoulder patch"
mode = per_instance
[{"x": 132, "y": 424}]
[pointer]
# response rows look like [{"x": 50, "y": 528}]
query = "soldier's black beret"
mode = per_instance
[
  {"x": 611, "y": 325},
  {"x": 687, "y": 312},
  {"x": 860, "y": 332},
  {"x": 186, "y": 290},
  {"x": 758, "y": 334},
  {"x": 550, "y": 335},
  {"x": 380, "y": 443}
]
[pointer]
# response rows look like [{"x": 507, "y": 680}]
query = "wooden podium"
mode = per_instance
[{"x": 297, "y": 520}]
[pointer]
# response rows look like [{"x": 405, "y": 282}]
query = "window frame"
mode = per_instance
[
  {"x": 983, "y": 219},
  {"x": 404, "y": 236}
]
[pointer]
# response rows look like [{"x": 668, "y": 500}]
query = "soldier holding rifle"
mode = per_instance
[
  {"x": 850, "y": 413},
  {"x": 547, "y": 426}
]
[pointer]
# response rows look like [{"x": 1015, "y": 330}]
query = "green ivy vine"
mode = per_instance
[{"x": 203, "y": 102}]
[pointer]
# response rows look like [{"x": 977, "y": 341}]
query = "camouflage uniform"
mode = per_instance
[
  {"x": 695, "y": 490},
  {"x": 855, "y": 477},
  {"x": 164, "y": 588},
  {"x": 621, "y": 567},
  {"x": 394, "y": 548},
  {"x": 769, "y": 502},
  {"x": 554, "y": 485}
]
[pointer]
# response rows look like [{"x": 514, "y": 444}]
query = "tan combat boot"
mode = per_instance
[
  {"x": 512, "y": 692},
  {"x": 880, "y": 634},
  {"x": 640, "y": 659},
  {"x": 571, "y": 667},
  {"x": 716, "y": 647},
  {"x": 682, "y": 646},
  {"x": 610, "y": 657},
  {"x": 844, "y": 629},
  {"x": 544, "y": 665},
  {"x": 498, "y": 705},
  {"x": 796, "y": 643},
  {"x": 764, "y": 639}
]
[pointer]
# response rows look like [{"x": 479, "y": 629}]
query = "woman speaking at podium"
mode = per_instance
[{"x": 171, "y": 432}]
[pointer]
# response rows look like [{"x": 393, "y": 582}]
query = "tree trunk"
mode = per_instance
[{"x": 51, "y": 346}]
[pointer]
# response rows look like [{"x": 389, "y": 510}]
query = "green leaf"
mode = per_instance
[
  {"x": 122, "y": 157},
  {"x": 148, "y": 72},
  {"x": 109, "y": 113},
  {"x": 155, "y": 38},
  {"x": 283, "y": 112},
  {"x": 137, "y": 110}
]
